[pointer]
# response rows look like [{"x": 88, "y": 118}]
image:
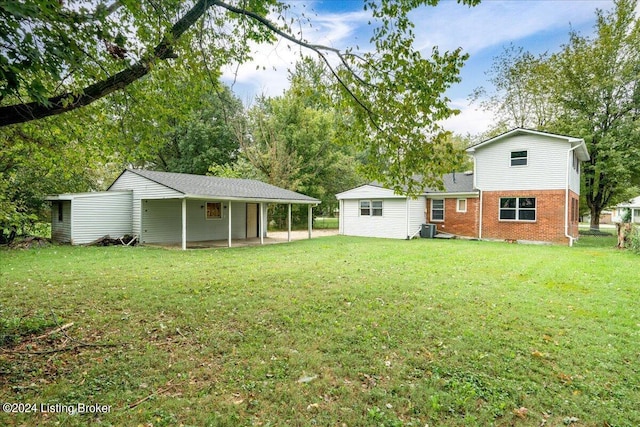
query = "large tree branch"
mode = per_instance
[
  {"x": 21, "y": 113},
  {"x": 317, "y": 48}
]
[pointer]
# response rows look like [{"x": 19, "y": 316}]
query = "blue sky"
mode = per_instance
[{"x": 482, "y": 31}]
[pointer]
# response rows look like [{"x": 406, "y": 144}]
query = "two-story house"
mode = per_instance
[{"x": 525, "y": 187}]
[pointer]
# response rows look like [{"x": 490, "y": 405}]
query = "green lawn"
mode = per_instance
[{"x": 329, "y": 332}]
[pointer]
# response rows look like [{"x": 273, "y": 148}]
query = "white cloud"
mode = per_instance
[
  {"x": 496, "y": 23},
  {"x": 471, "y": 119},
  {"x": 267, "y": 73}
]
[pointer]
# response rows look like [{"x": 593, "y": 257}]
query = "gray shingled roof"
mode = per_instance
[
  {"x": 215, "y": 187},
  {"x": 459, "y": 182}
]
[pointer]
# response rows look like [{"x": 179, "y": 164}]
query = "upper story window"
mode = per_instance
[{"x": 519, "y": 158}]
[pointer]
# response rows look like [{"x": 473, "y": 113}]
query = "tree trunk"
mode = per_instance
[{"x": 594, "y": 224}]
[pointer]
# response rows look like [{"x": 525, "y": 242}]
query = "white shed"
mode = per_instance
[
  {"x": 164, "y": 207},
  {"x": 374, "y": 211},
  {"x": 81, "y": 218}
]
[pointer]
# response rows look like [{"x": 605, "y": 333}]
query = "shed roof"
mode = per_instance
[{"x": 223, "y": 188}]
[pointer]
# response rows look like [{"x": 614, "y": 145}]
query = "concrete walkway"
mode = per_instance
[{"x": 273, "y": 238}]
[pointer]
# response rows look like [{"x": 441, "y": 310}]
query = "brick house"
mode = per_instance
[{"x": 525, "y": 187}]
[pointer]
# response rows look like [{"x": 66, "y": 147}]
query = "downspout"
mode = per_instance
[
  {"x": 566, "y": 199},
  {"x": 408, "y": 213},
  {"x": 480, "y": 209},
  {"x": 480, "y": 215}
]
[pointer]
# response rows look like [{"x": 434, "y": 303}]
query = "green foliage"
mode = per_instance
[
  {"x": 293, "y": 141},
  {"x": 633, "y": 240},
  {"x": 13, "y": 329},
  {"x": 391, "y": 98},
  {"x": 177, "y": 121},
  {"x": 47, "y": 157}
]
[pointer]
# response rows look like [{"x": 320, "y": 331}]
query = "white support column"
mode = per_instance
[
  {"x": 229, "y": 218},
  {"x": 289, "y": 222},
  {"x": 184, "y": 224},
  {"x": 261, "y": 226},
  {"x": 310, "y": 220}
]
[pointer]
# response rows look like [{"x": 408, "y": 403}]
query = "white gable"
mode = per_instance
[
  {"x": 547, "y": 160},
  {"x": 369, "y": 191}
]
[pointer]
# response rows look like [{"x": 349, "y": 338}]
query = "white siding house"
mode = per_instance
[
  {"x": 373, "y": 211},
  {"x": 633, "y": 206}
]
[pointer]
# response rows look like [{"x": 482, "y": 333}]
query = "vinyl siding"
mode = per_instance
[
  {"x": 100, "y": 215},
  {"x": 61, "y": 230},
  {"x": 392, "y": 223},
  {"x": 143, "y": 188},
  {"x": 545, "y": 169},
  {"x": 416, "y": 214},
  {"x": 162, "y": 221}
]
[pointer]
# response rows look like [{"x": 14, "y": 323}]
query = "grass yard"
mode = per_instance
[{"x": 335, "y": 331}]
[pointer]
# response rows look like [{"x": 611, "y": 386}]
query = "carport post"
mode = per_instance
[
  {"x": 261, "y": 226},
  {"x": 310, "y": 219},
  {"x": 289, "y": 223},
  {"x": 184, "y": 224},
  {"x": 229, "y": 213}
]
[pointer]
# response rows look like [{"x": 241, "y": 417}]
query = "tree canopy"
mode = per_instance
[{"x": 60, "y": 56}]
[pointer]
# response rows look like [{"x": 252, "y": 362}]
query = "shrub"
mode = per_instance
[{"x": 633, "y": 240}]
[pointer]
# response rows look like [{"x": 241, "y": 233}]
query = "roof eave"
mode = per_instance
[{"x": 252, "y": 199}]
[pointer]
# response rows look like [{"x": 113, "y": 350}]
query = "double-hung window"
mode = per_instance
[
  {"x": 370, "y": 207},
  {"x": 519, "y": 158},
  {"x": 518, "y": 208},
  {"x": 437, "y": 210}
]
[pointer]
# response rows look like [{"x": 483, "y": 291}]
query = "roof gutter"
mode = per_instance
[{"x": 313, "y": 202}]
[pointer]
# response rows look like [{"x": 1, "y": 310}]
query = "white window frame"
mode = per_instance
[
  {"x": 437, "y": 209},
  {"x": 518, "y": 209},
  {"x": 372, "y": 206},
  {"x": 458, "y": 205},
  {"x": 377, "y": 206},
  {"x": 364, "y": 204},
  {"x": 520, "y": 158}
]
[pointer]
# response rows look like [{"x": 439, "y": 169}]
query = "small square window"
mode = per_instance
[
  {"x": 461, "y": 206},
  {"x": 214, "y": 210},
  {"x": 519, "y": 158}
]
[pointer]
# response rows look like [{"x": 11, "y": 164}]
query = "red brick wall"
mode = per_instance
[
  {"x": 550, "y": 215},
  {"x": 458, "y": 223}
]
